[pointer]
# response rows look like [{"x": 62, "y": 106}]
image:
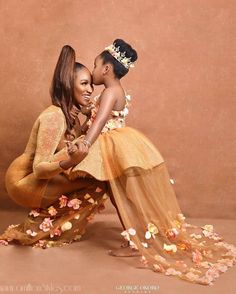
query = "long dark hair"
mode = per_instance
[{"x": 62, "y": 86}]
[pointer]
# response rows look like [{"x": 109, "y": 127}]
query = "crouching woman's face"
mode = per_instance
[{"x": 83, "y": 87}]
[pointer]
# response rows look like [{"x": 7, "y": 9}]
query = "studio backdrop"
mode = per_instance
[{"x": 182, "y": 87}]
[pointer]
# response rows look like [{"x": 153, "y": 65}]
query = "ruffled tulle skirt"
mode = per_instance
[
  {"x": 147, "y": 204},
  {"x": 140, "y": 184}
]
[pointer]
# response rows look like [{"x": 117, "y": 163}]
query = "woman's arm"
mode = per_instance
[
  {"x": 107, "y": 102},
  {"x": 50, "y": 131}
]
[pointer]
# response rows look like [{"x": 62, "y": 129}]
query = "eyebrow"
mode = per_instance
[{"x": 84, "y": 80}]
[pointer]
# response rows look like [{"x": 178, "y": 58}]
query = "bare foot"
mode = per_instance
[{"x": 124, "y": 252}]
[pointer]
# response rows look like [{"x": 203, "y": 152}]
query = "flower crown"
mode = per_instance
[{"x": 120, "y": 56}]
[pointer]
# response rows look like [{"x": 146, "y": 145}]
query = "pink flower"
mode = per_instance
[
  {"x": 98, "y": 189},
  {"x": 56, "y": 232},
  {"x": 144, "y": 260},
  {"x": 158, "y": 268},
  {"x": 4, "y": 242},
  {"x": 63, "y": 201},
  {"x": 52, "y": 211},
  {"x": 46, "y": 224},
  {"x": 34, "y": 213},
  {"x": 41, "y": 243},
  {"x": 75, "y": 203},
  {"x": 172, "y": 233},
  {"x": 197, "y": 256},
  {"x": 221, "y": 267},
  {"x": 212, "y": 274},
  {"x": 181, "y": 263}
]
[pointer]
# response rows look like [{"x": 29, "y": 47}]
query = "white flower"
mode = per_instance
[
  {"x": 90, "y": 200},
  {"x": 125, "y": 234},
  {"x": 34, "y": 213},
  {"x": 208, "y": 228},
  {"x": 31, "y": 233},
  {"x": 193, "y": 235},
  {"x": 77, "y": 216},
  {"x": 125, "y": 111},
  {"x": 172, "y": 272},
  {"x": 77, "y": 237},
  {"x": 145, "y": 244},
  {"x": 133, "y": 245},
  {"x": 128, "y": 97},
  {"x": 148, "y": 235},
  {"x": 170, "y": 248},
  {"x": 66, "y": 226},
  {"x": 131, "y": 231},
  {"x": 180, "y": 217}
]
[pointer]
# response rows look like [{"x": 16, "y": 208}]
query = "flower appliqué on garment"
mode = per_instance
[{"x": 118, "y": 117}]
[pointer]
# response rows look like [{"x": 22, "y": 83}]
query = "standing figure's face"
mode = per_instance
[
  {"x": 83, "y": 87},
  {"x": 98, "y": 71}
]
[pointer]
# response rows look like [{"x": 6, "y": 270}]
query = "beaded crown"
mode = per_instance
[{"x": 120, "y": 56}]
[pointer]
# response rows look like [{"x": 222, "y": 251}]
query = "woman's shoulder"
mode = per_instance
[{"x": 52, "y": 112}]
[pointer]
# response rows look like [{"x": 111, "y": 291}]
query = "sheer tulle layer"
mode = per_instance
[
  {"x": 147, "y": 203},
  {"x": 62, "y": 222},
  {"x": 126, "y": 146}
]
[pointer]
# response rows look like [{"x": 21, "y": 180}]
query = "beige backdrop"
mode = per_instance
[{"x": 183, "y": 86}]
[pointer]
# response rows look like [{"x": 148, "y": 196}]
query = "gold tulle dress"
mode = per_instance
[
  {"x": 142, "y": 189},
  {"x": 147, "y": 203}
]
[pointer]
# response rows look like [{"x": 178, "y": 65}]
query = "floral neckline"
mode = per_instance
[{"x": 119, "y": 113}]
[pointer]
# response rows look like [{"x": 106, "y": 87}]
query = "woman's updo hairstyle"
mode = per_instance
[
  {"x": 119, "y": 69},
  {"x": 62, "y": 86}
]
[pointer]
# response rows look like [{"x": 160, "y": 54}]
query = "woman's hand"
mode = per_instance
[{"x": 77, "y": 152}]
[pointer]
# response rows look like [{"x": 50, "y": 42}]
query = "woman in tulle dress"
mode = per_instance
[
  {"x": 60, "y": 208},
  {"x": 140, "y": 184}
]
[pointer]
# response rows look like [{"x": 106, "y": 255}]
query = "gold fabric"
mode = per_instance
[
  {"x": 147, "y": 203},
  {"x": 61, "y": 208},
  {"x": 143, "y": 193}
]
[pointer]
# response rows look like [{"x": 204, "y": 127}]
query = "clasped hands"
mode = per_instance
[{"x": 77, "y": 151}]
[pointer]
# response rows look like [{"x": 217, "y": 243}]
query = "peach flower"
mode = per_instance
[
  {"x": 63, "y": 201},
  {"x": 75, "y": 203},
  {"x": 52, "y": 210}
]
